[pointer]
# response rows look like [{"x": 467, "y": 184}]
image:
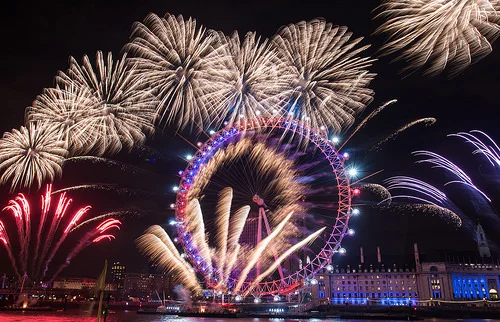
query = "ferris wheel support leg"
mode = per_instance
[
  {"x": 268, "y": 230},
  {"x": 259, "y": 238}
]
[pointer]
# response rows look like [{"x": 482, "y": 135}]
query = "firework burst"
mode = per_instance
[
  {"x": 41, "y": 235},
  {"x": 66, "y": 108},
  {"x": 124, "y": 112},
  {"x": 31, "y": 155},
  {"x": 436, "y": 34},
  {"x": 182, "y": 63},
  {"x": 328, "y": 79},
  {"x": 258, "y": 81}
]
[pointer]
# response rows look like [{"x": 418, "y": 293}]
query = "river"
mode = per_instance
[{"x": 132, "y": 316}]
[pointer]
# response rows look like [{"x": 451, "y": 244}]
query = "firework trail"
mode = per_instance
[
  {"x": 258, "y": 251},
  {"x": 96, "y": 235},
  {"x": 436, "y": 201},
  {"x": 195, "y": 225},
  {"x": 4, "y": 237},
  {"x": 228, "y": 252},
  {"x": 236, "y": 227},
  {"x": 366, "y": 119},
  {"x": 109, "y": 163},
  {"x": 328, "y": 79},
  {"x": 21, "y": 211},
  {"x": 46, "y": 241},
  {"x": 283, "y": 256},
  {"x": 113, "y": 214},
  {"x": 415, "y": 185},
  {"x": 484, "y": 146},
  {"x": 427, "y": 121},
  {"x": 124, "y": 113},
  {"x": 74, "y": 220},
  {"x": 95, "y": 187},
  {"x": 442, "y": 212},
  {"x": 31, "y": 155},
  {"x": 438, "y": 161},
  {"x": 435, "y": 34},
  {"x": 182, "y": 63},
  {"x": 377, "y": 189},
  {"x": 223, "y": 213},
  {"x": 156, "y": 245},
  {"x": 228, "y": 258}
]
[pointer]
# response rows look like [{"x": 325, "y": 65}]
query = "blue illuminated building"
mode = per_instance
[
  {"x": 420, "y": 283},
  {"x": 366, "y": 284}
]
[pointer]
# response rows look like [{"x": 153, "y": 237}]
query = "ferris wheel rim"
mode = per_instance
[{"x": 336, "y": 161}]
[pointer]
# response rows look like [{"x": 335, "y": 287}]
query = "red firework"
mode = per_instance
[{"x": 37, "y": 247}]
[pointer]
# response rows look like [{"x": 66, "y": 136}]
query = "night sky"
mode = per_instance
[{"x": 38, "y": 39}]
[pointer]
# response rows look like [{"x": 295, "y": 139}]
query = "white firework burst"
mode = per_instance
[
  {"x": 125, "y": 111},
  {"x": 31, "y": 155},
  {"x": 257, "y": 83},
  {"x": 66, "y": 109},
  {"x": 435, "y": 34},
  {"x": 181, "y": 63},
  {"x": 329, "y": 84}
]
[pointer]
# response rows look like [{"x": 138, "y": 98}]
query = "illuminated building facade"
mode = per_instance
[
  {"x": 118, "y": 274},
  {"x": 420, "y": 284},
  {"x": 367, "y": 285},
  {"x": 146, "y": 285}
]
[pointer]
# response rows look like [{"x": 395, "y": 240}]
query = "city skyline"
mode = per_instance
[{"x": 40, "y": 48}]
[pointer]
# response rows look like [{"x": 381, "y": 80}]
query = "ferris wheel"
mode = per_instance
[{"x": 210, "y": 154}]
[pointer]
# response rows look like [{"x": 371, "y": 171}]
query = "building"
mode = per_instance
[
  {"x": 367, "y": 284},
  {"x": 118, "y": 275},
  {"x": 482, "y": 243},
  {"x": 78, "y": 288},
  {"x": 147, "y": 285},
  {"x": 421, "y": 283}
]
